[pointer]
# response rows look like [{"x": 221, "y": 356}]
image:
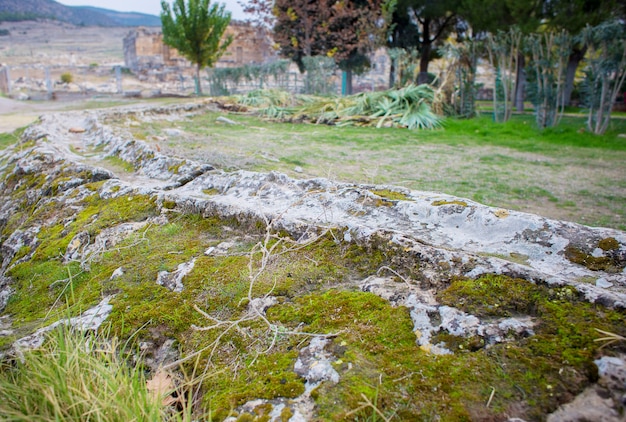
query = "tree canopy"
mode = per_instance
[
  {"x": 345, "y": 30},
  {"x": 301, "y": 28},
  {"x": 423, "y": 24},
  {"x": 195, "y": 28}
]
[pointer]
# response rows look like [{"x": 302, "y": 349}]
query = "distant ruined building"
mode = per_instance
[{"x": 144, "y": 48}]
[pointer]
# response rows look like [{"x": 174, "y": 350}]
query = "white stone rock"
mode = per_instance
[
  {"x": 603, "y": 283},
  {"x": 117, "y": 273},
  {"x": 174, "y": 280},
  {"x": 91, "y": 319}
]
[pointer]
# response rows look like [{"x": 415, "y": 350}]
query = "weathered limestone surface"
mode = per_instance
[
  {"x": 449, "y": 236},
  {"x": 452, "y": 236}
]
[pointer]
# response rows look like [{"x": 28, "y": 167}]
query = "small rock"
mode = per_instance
[
  {"x": 501, "y": 213},
  {"x": 117, "y": 273},
  {"x": 221, "y": 249},
  {"x": 298, "y": 169},
  {"x": 174, "y": 280},
  {"x": 604, "y": 283},
  {"x": 597, "y": 253},
  {"x": 226, "y": 120},
  {"x": 173, "y": 132},
  {"x": 314, "y": 364},
  {"x": 261, "y": 304},
  {"x": 77, "y": 130}
]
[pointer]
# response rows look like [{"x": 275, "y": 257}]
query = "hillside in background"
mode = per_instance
[{"x": 11, "y": 10}]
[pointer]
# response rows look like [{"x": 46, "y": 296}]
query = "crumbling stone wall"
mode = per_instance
[{"x": 144, "y": 48}]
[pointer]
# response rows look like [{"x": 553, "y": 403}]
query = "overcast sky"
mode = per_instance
[{"x": 152, "y": 7}]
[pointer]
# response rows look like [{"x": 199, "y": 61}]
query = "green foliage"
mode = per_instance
[
  {"x": 223, "y": 80},
  {"x": 464, "y": 64},
  {"x": 67, "y": 78},
  {"x": 18, "y": 17},
  {"x": 195, "y": 29},
  {"x": 410, "y": 107},
  {"x": 271, "y": 103},
  {"x": 549, "y": 53},
  {"x": 75, "y": 377},
  {"x": 319, "y": 73},
  {"x": 309, "y": 29},
  {"x": 605, "y": 72},
  {"x": 504, "y": 50}
]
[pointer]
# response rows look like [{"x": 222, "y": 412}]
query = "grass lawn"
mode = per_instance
[{"x": 563, "y": 172}]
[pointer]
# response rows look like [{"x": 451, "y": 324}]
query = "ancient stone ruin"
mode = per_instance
[{"x": 144, "y": 48}]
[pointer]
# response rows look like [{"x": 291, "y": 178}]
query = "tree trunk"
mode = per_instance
[
  {"x": 422, "y": 77},
  {"x": 348, "y": 82},
  {"x": 198, "y": 84},
  {"x": 520, "y": 83},
  {"x": 575, "y": 58},
  {"x": 392, "y": 74}
]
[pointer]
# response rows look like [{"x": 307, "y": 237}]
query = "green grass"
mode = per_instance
[
  {"x": 521, "y": 134},
  {"x": 77, "y": 377},
  {"x": 7, "y": 139}
]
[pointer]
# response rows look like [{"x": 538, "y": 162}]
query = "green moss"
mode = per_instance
[
  {"x": 30, "y": 143},
  {"x": 45, "y": 280},
  {"x": 117, "y": 162},
  {"x": 22, "y": 252},
  {"x": 491, "y": 296},
  {"x": 269, "y": 377},
  {"x": 210, "y": 191},
  {"x": 443, "y": 202},
  {"x": 518, "y": 258},
  {"x": 391, "y": 195},
  {"x": 375, "y": 346},
  {"x": 375, "y": 338},
  {"x": 11, "y": 138},
  {"x": 599, "y": 263},
  {"x": 608, "y": 244},
  {"x": 286, "y": 414},
  {"x": 40, "y": 285},
  {"x": 175, "y": 168},
  {"x": 169, "y": 205},
  {"x": 263, "y": 409}
]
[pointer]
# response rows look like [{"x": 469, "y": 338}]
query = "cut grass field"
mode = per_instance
[{"x": 563, "y": 173}]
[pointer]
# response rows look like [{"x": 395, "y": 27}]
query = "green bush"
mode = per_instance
[{"x": 67, "y": 78}]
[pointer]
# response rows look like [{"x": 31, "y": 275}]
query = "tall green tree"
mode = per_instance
[
  {"x": 605, "y": 72},
  {"x": 494, "y": 16},
  {"x": 573, "y": 16},
  {"x": 196, "y": 29}
]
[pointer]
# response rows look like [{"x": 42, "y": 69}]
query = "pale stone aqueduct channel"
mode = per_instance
[{"x": 449, "y": 236}]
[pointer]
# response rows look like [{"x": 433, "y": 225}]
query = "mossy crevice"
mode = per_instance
[
  {"x": 391, "y": 195},
  {"x": 445, "y": 202},
  {"x": 611, "y": 260}
]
